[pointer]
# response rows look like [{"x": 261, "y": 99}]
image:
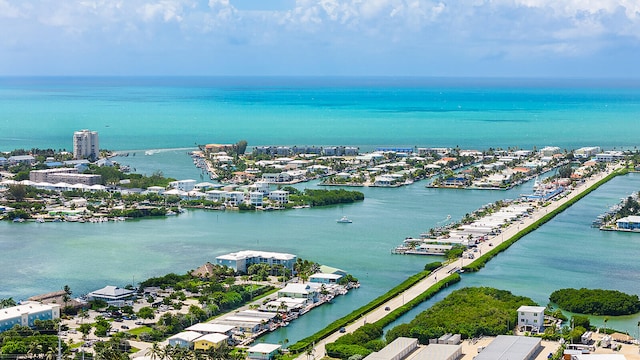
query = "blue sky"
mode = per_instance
[{"x": 529, "y": 38}]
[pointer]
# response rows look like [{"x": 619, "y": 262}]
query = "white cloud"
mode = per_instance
[
  {"x": 9, "y": 11},
  {"x": 422, "y": 29}
]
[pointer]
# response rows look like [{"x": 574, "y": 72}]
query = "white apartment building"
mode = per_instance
[{"x": 86, "y": 145}]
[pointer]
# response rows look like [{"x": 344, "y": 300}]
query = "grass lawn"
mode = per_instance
[{"x": 139, "y": 330}]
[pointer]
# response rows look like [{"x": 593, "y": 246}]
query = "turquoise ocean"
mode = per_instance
[{"x": 172, "y": 115}]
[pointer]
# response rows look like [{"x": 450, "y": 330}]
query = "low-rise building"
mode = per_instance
[
  {"x": 397, "y": 350},
  {"x": 209, "y": 328},
  {"x": 308, "y": 291},
  {"x": 263, "y": 351},
  {"x": 322, "y": 278},
  {"x": 629, "y": 223},
  {"x": 508, "y": 347},
  {"x": 113, "y": 295},
  {"x": 26, "y": 314},
  {"x": 241, "y": 260},
  {"x": 208, "y": 341},
  {"x": 21, "y": 159},
  {"x": 279, "y": 196},
  {"x": 183, "y": 185},
  {"x": 609, "y": 156},
  {"x": 531, "y": 317},
  {"x": 184, "y": 339}
]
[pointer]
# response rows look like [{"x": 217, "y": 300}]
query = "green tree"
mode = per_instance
[
  {"x": 146, "y": 313},
  {"x": 17, "y": 192}
]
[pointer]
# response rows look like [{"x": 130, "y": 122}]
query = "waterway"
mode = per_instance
[{"x": 566, "y": 252}]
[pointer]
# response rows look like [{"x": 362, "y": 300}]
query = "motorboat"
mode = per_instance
[{"x": 345, "y": 220}]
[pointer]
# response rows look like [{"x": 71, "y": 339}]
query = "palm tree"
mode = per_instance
[
  {"x": 156, "y": 352},
  {"x": 8, "y": 302}
]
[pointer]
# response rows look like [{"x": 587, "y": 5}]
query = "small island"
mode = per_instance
[{"x": 596, "y": 301}]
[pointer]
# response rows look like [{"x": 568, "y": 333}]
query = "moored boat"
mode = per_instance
[{"x": 345, "y": 220}]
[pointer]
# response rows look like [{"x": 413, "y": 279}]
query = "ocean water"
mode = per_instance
[
  {"x": 148, "y": 113},
  {"x": 166, "y": 117}
]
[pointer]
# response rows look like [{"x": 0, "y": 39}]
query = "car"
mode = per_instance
[
  {"x": 117, "y": 320},
  {"x": 138, "y": 322},
  {"x": 343, "y": 330},
  {"x": 387, "y": 308},
  {"x": 124, "y": 327}
]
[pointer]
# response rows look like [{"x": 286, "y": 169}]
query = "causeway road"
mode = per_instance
[{"x": 318, "y": 351}]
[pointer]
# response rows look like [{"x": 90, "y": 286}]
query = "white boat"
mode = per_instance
[{"x": 345, "y": 220}]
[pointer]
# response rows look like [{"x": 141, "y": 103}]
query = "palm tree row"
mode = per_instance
[{"x": 223, "y": 352}]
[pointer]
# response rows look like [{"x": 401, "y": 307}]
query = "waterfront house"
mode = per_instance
[
  {"x": 274, "y": 178},
  {"x": 204, "y": 186},
  {"x": 3, "y": 161},
  {"x": 261, "y": 186},
  {"x": 256, "y": 198},
  {"x": 629, "y": 223},
  {"x": 531, "y": 317},
  {"x": 183, "y": 185},
  {"x": 307, "y": 291},
  {"x": 321, "y": 278},
  {"x": 235, "y": 198},
  {"x": 216, "y": 195},
  {"x": 208, "y": 341},
  {"x": 113, "y": 295},
  {"x": 26, "y": 314},
  {"x": 263, "y": 351},
  {"x": 279, "y": 196},
  {"x": 184, "y": 339}
]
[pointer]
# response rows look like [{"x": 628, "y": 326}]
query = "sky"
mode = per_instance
[{"x": 479, "y": 38}]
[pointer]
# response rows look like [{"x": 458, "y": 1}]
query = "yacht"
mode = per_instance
[{"x": 345, "y": 220}]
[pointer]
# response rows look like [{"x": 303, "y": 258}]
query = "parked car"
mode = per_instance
[{"x": 125, "y": 327}]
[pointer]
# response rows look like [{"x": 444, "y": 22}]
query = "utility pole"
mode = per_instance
[{"x": 59, "y": 341}]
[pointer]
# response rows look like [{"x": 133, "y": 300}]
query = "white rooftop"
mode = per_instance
[
  {"x": 213, "y": 338},
  {"x": 210, "y": 328},
  {"x": 111, "y": 291},
  {"x": 28, "y": 307},
  {"x": 254, "y": 253},
  {"x": 536, "y": 309},
  {"x": 186, "y": 336},
  {"x": 264, "y": 348}
]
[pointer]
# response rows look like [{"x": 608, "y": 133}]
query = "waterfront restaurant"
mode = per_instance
[{"x": 113, "y": 295}]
